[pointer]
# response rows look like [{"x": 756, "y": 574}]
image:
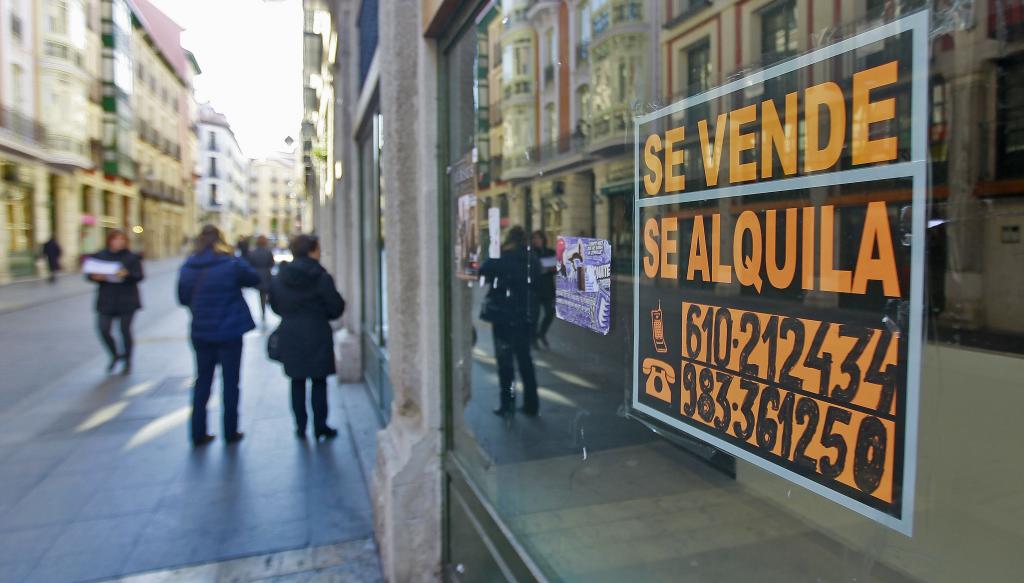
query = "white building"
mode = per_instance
[{"x": 223, "y": 199}]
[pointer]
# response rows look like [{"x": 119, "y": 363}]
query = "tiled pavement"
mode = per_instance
[{"x": 99, "y": 480}]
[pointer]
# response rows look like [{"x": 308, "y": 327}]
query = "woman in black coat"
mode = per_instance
[
  {"x": 304, "y": 295},
  {"x": 511, "y": 281},
  {"x": 118, "y": 297}
]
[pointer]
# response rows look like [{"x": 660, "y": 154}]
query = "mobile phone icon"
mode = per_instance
[{"x": 658, "y": 327}]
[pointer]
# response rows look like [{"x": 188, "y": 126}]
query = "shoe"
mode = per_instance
[
  {"x": 234, "y": 437},
  {"x": 113, "y": 362},
  {"x": 300, "y": 434},
  {"x": 201, "y": 441},
  {"x": 127, "y": 370},
  {"x": 326, "y": 433},
  {"x": 504, "y": 411}
]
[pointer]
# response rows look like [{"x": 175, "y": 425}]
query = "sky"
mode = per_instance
[{"x": 250, "y": 52}]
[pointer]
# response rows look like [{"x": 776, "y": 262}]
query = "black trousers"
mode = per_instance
[
  {"x": 106, "y": 321},
  {"x": 512, "y": 343},
  {"x": 547, "y": 305},
  {"x": 318, "y": 398},
  {"x": 228, "y": 355}
]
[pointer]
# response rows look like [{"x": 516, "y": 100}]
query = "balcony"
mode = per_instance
[
  {"x": 63, "y": 52},
  {"x": 158, "y": 190},
  {"x": 518, "y": 87},
  {"x": 62, "y": 144},
  {"x": 21, "y": 125},
  {"x": 683, "y": 10}
]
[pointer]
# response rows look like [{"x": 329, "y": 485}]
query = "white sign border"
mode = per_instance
[{"x": 916, "y": 169}]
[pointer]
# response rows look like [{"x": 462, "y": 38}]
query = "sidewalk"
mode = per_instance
[
  {"x": 100, "y": 481},
  {"x": 18, "y": 295}
]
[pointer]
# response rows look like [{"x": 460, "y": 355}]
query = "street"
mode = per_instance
[{"x": 100, "y": 480}]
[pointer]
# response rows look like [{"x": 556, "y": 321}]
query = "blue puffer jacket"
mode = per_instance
[{"x": 210, "y": 285}]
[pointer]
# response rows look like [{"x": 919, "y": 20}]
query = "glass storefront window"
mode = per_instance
[{"x": 763, "y": 321}]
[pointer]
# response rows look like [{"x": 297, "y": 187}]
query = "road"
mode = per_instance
[{"x": 99, "y": 480}]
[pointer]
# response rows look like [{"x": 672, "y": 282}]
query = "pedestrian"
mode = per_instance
[
  {"x": 117, "y": 298},
  {"x": 508, "y": 306},
  {"x": 52, "y": 251},
  {"x": 242, "y": 246},
  {"x": 210, "y": 284},
  {"x": 262, "y": 260},
  {"x": 305, "y": 297},
  {"x": 545, "y": 287}
]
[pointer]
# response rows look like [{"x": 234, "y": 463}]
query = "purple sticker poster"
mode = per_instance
[{"x": 583, "y": 290}]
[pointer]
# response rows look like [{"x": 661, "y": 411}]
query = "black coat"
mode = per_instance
[
  {"x": 304, "y": 295},
  {"x": 512, "y": 281},
  {"x": 262, "y": 260},
  {"x": 121, "y": 297}
]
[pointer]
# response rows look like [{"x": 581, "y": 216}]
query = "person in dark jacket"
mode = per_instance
[
  {"x": 52, "y": 251},
  {"x": 262, "y": 260},
  {"x": 509, "y": 308},
  {"x": 210, "y": 284},
  {"x": 545, "y": 288},
  {"x": 304, "y": 295},
  {"x": 117, "y": 298}
]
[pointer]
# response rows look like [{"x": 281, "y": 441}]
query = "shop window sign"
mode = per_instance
[{"x": 779, "y": 279}]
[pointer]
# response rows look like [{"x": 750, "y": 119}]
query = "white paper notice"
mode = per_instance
[
  {"x": 93, "y": 266},
  {"x": 494, "y": 231}
]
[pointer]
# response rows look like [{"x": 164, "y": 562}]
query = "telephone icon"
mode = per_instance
[
  {"x": 658, "y": 328},
  {"x": 660, "y": 378}
]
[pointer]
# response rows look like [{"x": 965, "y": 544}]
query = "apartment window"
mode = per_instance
[
  {"x": 213, "y": 195},
  {"x": 698, "y": 68},
  {"x": 58, "y": 17},
  {"x": 1011, "y": 119},
  {"x": 778, "y": 31},
  {"x": 213, "y": 141},
  {"x": 17, "y": 86},
  {"x": 551, "y": 121},
  {"x": 213, "y": 167},
  {"x": 16, "y": 25}
]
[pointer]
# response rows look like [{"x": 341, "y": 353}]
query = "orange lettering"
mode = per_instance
[
  {"x": 782, "y": 277},
  {"x": 865, "y": 112},
  {"x": 831, "y": 279},
  {"x": 651, "y": 247},
  {"x": 668, "y": 245},
  {"x": 719, "y": 273},
  {"x": 712, "y": 154},
  {"x": 816, "y": 156},
  {"x": 739, "y": 143},
  {"x": 674, "y": 182},
  {"x": 883, "y": 268},
  {"x": 698, "y": 251},
  {"x": 652, "y": 182},
  {"x": 772, "y": 135}
]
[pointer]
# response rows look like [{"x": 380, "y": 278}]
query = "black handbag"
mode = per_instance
[{"x": 274, "y": 345}]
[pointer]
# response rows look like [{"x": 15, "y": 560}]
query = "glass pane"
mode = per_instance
[{"x": 778, "y": 335}]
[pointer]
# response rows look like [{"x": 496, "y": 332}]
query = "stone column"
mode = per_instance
[
  {"x": 41, "y": 202},
  {"x": 5, "y": 244},
  {"x": 407, "y": 480}
]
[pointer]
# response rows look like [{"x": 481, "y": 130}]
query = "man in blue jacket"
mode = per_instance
[{"x": 210, "y": 284}]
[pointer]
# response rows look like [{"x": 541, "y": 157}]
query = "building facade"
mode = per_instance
[
  {"x": 69, "y": 130},
  {"x": 749, "y": 422},
  {"x": 223, "y": 176},
  {"x": 276, "y": 196}
]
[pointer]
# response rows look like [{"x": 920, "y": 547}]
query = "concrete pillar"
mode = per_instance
[
  {"x": 5, "y": 243},
  {"x": 41, "y": 203},
  {"x": 407, "y": 480}
]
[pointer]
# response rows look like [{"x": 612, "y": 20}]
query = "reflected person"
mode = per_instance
[
  {"x": 545, "y": 288},
  {"x": 508, "y": 307}
]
